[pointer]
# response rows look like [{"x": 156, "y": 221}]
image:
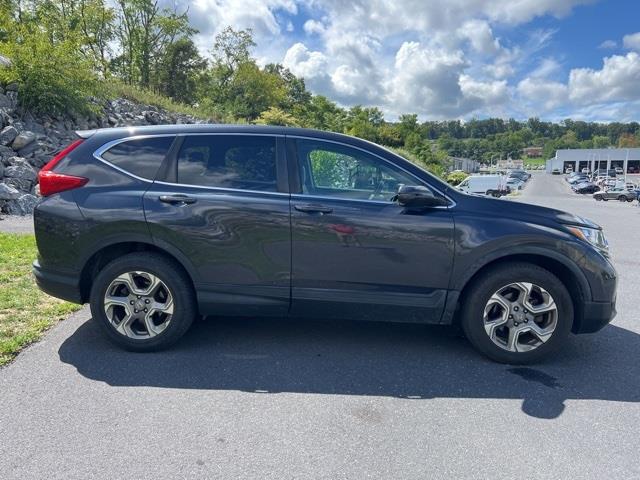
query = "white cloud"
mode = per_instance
[
  {"x": 541, "y": 94},
  {"x": 484, "y": 94},
  {"x": 313, "y": 27},
  {"x": 618, "y": 80},
  {"x": 212, "y": 16},
  {"x": 480, "y": 36},
  {"x": 632, "y": 41},
  {"x": 305, "y": 63},
  {"x": 608, "y": 45},
  {"x": 546, "y": 68},
  {"x": 426, "y": 80}
]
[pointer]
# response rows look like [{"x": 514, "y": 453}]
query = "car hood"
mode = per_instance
[{"x": 528, "y": 213}]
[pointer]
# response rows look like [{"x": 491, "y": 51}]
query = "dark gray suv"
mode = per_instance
[{"x": 156, "y": 225}]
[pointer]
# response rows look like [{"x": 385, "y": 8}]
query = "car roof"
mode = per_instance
[
  {"x": 214, "y": 128},
  {"x": 104, "y": 135}
]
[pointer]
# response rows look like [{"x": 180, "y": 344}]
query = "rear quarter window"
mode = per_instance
[{"x": 141, "y": 157}]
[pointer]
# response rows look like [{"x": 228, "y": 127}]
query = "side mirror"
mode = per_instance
[{"x": 417, "y": 196}]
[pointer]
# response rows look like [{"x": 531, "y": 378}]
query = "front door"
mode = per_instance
[
  {"x": 223, "y": 208},
  {"x": 355, "y": 252}
]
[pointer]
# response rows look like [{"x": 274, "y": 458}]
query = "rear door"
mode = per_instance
[{"x": 222, "y": 206}]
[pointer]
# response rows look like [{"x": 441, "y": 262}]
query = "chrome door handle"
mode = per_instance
[
  {"x": 313, "y": 208},
  {"x": 176, "y": 199}
]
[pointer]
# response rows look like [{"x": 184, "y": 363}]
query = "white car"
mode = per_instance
[
  {"x": 586, "y": 170},
  {"x": 490, "y": 185},
  {"x": 619, "y": 171}
]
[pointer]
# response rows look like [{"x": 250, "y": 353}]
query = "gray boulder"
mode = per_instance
[
  {"x": 39, "y": 161},
  {"x": 21, "y": 184},
  {"x": 7, "y": 192},
  {"x": 8, "y": 134},
  {"x": 24, "y": 205},
  {"x": 5, "y": 102},
  {"x": 23, "y": 139},
  {"x": 29, "y": 150},
  {"x": 20, "y": 168},
  {"x": 6, "y": 152}
]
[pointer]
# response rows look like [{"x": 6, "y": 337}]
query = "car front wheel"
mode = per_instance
[
  {"x": 143, "y": 301},
  {"x": 517, "y": 313}
]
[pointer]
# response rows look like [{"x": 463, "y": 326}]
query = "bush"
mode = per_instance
[
  {"x": 53, "y": 78},
  {"x": 455, "y": 178},
  {"x": 276, "y": 116}
]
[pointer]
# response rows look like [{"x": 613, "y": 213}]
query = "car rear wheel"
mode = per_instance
[
  {"x": 622, "y": 198},
  {"x": 517, "y": 313},
  {"x": 143, "y": 301},
  {"x": 598, "y": 198}
]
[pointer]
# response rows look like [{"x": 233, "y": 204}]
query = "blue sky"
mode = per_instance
[{"x": 445, "y": 59}]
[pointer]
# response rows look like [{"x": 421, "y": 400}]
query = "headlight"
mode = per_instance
[{"x": 592, "y": 235}]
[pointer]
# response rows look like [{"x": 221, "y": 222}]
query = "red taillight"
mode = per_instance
[{"x": 52, "y": 182}]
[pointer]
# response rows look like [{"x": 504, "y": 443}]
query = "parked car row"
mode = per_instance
[{"x": 603, "y": 185}]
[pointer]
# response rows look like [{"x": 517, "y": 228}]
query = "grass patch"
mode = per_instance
[
  {"x": 25, "y": 312},
  {"x": 535, "y": 161}
]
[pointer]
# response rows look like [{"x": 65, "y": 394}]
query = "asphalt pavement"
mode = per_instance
[
  {"x": 276, "y": 399},
  {"x": 16, "y": 224}
]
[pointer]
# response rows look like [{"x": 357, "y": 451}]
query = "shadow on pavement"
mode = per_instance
[{"x": 351, "y": 358}]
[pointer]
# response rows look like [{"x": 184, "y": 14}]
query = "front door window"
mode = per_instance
[{"x": 348, "y": 173}]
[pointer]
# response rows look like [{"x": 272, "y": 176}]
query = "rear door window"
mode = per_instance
[
  {"x": 141, "y": 157},
  {"x": 242, "y": 162}
]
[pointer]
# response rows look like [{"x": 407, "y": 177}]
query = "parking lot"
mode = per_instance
[{"x": 250, "y": 398}]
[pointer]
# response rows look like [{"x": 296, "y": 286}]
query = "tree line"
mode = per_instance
[{"x": 64, "y": 52}]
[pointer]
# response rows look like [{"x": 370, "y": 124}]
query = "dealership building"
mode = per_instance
[{"x": 596, "y": 158}]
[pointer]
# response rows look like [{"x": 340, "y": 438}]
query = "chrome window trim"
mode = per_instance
[
  {"x": 97, "y": 154},
  {"x": 452, "y": 202},
  {"x": 100, "y": 151},
  {"x": 221, "y": 189},
  {"x": 301, "y": 196}
]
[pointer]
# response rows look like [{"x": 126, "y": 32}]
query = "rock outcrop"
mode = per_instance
[{"x": 28, "y": 142}]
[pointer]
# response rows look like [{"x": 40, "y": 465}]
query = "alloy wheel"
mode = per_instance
[
  {"x": 138, "y": 305},
  {"x": 520, "y": 317}
]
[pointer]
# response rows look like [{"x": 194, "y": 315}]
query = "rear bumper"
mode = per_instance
[{"x": 62, "y": 285}]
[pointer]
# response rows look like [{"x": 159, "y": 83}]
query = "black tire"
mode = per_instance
[
  {"x": 622, "y": 198},
  {"x": 630, "y": 200},
  {"x": 598, "y": 198},
  {"x": 478, "y": 293},
  {"x": 174, "y": 277}
]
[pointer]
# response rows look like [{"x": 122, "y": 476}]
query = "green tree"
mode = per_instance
[
  {"x": 144, "y": 32},
  {"x": 179, "y": 70},
  {"x": 53, "y": 77}
]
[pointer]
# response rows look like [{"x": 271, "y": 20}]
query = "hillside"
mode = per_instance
[{"x": 28, "y": 141}]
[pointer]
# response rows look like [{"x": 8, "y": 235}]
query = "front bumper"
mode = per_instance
[
  {"x": 64, "y": 285},
  {"x": 596, "y": 315}
]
